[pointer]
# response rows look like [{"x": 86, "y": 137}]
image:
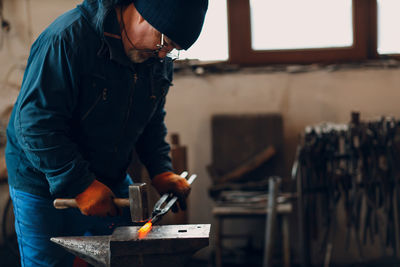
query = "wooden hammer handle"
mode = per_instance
[{"x": 65, "y": 203}]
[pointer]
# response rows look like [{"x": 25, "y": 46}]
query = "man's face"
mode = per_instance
[{"x": 143, "y": 41}]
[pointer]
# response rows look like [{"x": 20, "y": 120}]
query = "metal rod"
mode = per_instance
[
  {"x": 271, "y": 220},
  {"x": 396, "y": 220}
]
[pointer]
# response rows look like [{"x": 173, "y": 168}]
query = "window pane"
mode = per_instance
[
  {"x": 388, "y": 26},
  {"x": 213, "y": 40},
  {"x": 294, "y": 24}
]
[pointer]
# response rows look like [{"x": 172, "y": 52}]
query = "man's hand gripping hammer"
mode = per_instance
[{"x": 137, "y": 202}]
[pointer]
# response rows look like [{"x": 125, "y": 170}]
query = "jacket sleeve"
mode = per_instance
[
  {"x": 151, "y": 147},
  {"x": 43, "y": 121}
]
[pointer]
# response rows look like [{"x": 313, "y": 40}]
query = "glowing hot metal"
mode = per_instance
[{"x": 145, "y": 229}]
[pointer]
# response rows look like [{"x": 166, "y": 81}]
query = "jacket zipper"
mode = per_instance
[
  {"x": 129, "y": 109},
  {"x": 102, "y": 95}
]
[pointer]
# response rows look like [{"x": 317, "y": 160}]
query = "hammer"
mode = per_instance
[{"x": 137, "y": 202}]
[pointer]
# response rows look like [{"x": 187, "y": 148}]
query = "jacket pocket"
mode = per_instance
[
  {"x": 102, "y": 100},
  {"x": 102, "y": 95}
]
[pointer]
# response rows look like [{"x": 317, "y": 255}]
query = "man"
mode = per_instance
[{"x": 93, "y": 91}]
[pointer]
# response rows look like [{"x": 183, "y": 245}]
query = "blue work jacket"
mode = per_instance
[{"x": 84, "y": 107}]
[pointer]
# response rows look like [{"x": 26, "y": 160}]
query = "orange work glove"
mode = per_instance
[
  {"x": 169, "y": 182},
  {"x": 97, "y": 200}
]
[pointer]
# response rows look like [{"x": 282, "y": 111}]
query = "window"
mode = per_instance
[
  {"x": 293, "y": 24},
  {"x": 213, "y": 40},
  {"x": 309, "y": 31},
  {"x": 388, "y": 27}
]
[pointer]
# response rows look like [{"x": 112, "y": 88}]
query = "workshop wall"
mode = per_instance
[{"x": 301, "y": 98}]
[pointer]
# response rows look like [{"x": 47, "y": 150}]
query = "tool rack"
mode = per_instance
[{"x": 353, "y": 167}]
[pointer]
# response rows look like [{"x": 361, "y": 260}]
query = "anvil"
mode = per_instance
[{"x": 165, "y": 245}]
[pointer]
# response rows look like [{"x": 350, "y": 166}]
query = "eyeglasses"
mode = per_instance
[{"x": 163, "y": 47}]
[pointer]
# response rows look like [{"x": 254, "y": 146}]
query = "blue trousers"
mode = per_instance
[{"x": 36, "y": 221}]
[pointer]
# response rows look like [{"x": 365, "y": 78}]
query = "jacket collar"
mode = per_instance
[
  {"x": 112, "y": 38},
  {"x": 102, "y": 16}
]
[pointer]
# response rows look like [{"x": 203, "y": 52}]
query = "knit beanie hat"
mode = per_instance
[{"x": 179, "y": 20}]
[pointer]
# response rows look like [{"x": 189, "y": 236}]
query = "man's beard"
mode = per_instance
[{"x": 137, "y": 56}]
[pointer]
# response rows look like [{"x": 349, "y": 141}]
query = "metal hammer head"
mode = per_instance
[{"x": 138, "y": 202}]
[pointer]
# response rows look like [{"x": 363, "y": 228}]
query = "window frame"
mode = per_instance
[{"x": 364, "y": 39}]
